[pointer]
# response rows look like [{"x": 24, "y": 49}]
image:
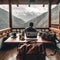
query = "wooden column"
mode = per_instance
[
  {"x": 59, "y": 19},
  {"x": 59, "y": 24},
  {"x": 10, "y": 15},
  {"x": 49, "y": 13}
]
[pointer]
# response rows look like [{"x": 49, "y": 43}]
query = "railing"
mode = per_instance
[
  {"x": 55, "y": 25},
  {"x": 4, "y": 32},
  {"x": 56, "y": 30},
  {"x": 17, "y": 29},
  {"x": 21, "y": 29}
]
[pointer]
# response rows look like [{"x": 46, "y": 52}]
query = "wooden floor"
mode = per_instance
[
  {"x": 8, "y": 55},
  {"x": 11, "y": 55}
]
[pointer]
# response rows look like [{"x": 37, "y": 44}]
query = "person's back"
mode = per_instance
[
  {"x": 31, "y": 32},
  {"x": 30, "y": 28}
]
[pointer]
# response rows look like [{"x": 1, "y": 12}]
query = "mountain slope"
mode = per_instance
[
  {"x": 42, "y": 20},
  {"x": 36, "y": 20},
  {"x": 4, "y": 20},
  {"x": 54, "y": 18}
]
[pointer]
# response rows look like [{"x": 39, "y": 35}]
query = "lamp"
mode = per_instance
[
  {"x": 17, "y": 3},
  {"x": 43, "y": 5},
  {"x": 30, "y": 1}
]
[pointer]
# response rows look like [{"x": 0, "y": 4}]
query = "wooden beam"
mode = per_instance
[
  {"x": 59, "y": 23},
  {"x": 57, "y": 31},
  {"x": 10, "y": 14},
  {"x": 59, "y": 19},
  {"x": 26, "y": 1},
  {"x": 49, "y": 14}
]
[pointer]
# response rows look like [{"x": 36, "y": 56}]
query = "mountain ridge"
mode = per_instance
[
  {"x": 4, "y": 20},
  {"x": 43, "y": 19}
]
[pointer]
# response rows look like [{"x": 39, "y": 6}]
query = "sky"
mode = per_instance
[{"x": 25, "y": 12}]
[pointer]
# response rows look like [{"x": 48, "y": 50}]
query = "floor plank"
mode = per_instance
[
  {"x": 8, "y": 55},
  {"x": 11, "y": 55}
]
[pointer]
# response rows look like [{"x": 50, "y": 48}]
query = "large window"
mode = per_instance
[
  {"x": 4, "y": 16},
  {"x": 37, "y": 14},
  {"x": 24, "y": 14}
]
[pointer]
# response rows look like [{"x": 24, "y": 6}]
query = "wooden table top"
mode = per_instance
[{"x": 17, "y": 40}]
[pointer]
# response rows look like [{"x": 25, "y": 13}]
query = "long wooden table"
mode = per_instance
[{"x": 18, "y": 40}]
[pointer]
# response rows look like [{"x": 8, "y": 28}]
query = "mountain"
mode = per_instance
[
  {"x": 25, "y": 12},
  {"x": 4, "y": 20},
  {"x": 35, "y": 20},
  {"x": 54, "y": 18},
  {"x": 42, "y": 20}
]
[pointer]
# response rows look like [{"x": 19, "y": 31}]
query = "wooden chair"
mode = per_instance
[{"x": 30, "y": 52}]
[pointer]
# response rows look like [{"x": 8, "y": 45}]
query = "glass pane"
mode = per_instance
[
  {"x": 24, "y": 14},
  {"x": 55, "y": 15},
  {"x": 4, "y": 16},
  {"x": 37, "y": 14}
]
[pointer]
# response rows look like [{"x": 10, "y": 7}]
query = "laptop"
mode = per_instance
[{"x": 31, "y": 36}]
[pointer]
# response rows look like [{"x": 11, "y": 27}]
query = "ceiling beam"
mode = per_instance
[
  {"x": 10, "y": 14},
  {"x": 26, "y": 1}
]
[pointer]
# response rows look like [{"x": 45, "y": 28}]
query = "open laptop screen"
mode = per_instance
[{"x": 31, "y": 34}]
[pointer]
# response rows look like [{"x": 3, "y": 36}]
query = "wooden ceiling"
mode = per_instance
[{"x": 27, "y": 1}]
